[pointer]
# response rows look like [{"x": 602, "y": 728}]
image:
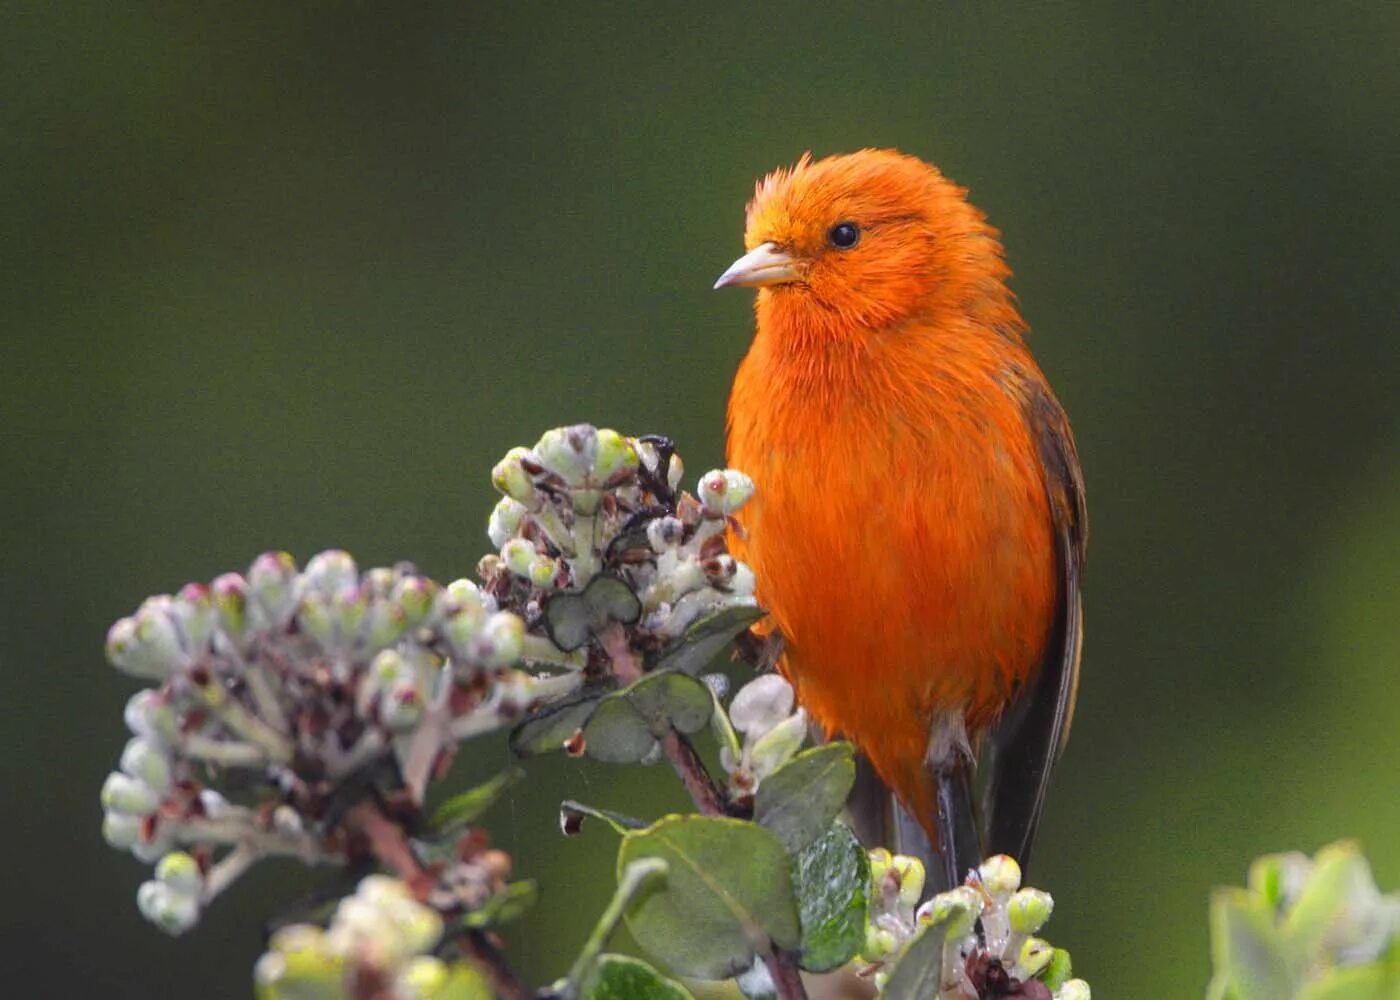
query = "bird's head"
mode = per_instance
[{"x": 867, "y": 240}]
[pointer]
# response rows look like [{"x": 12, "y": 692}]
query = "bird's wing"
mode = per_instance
[{"x": 1034, "y": 729}]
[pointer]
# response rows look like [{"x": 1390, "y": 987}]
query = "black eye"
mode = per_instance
[{"x": 844, "y": 235}]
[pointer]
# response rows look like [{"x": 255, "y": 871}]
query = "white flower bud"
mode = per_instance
[
  {"x": 181, "y": 872},
  {"x": 778, "y": 746},
  {"x": 421, "y": 978},
  {"x": 960, "y": 907},
  {"x": 1073, "y": 989},
  {"x": 503, "y": 639},
  {"x": 414, "y": 595},
  {"x": 665, "y": 533},
  {"x": 742, "y": 583},
  {"x": 147, "y": 763},
  {"x": 761, "y": 704},
  {"x": 331, "y": 572},
  {"x": 505, "y": 520},
  {"x": 509, "y": 476},
  {"x": 519, "y": 556},
  {"x": 724, "y": 491},
  {"x": 1035, "y": 955},
  {"x": 230, "y": 592},
  {"x": 272, "y": 586},
  {"x": 1001, "y": 876},
  {"x": 615, "y": 454},
  {"x": 401, "y": 705},
  {"x": 151, "y": 717},
  {"x": 1028, "y": 910},
  {"x": 911, "y": 875},
  {"x": 316, "y": 620},
  {"x": 385, "y": 623},
  {"x": 147, "y": 644},
  {"x": 569, "y": 452},
  {"x": 197, "y": 617},
  {"x": 121, "y": 830},
  {"x": 124, "y": 794},
  {"x": 172, "y": 911}
]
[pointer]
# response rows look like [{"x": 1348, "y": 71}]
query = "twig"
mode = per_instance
[{"x": 479, "y": 946}]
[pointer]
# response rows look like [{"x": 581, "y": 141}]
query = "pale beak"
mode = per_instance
[{"x": 765, "y": 264}]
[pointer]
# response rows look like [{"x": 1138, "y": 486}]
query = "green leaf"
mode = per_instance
[
  {"x": 918, "y": 975},
  {"x": 461, "y": 810},
  {"x": 727, "y": 897},
  {"x": 626, "y": 725},
  {"x": 547, "y": 729},
  {"x": 692, "y": 651},
  {"x": 620, "y": 977},
  {"x": 832, "y": 881},
  {"x": 505, "y": 907},
  {"x": 620, "y": 822},
  {"x": 573, "y": 618},
  {"x": 1245, "y": 946},
  {"x": 636, "y": 878},
  {"x": 799, "y": 800}
]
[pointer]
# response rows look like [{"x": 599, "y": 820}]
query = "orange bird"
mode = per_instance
[{"x": 918, "y": 528}]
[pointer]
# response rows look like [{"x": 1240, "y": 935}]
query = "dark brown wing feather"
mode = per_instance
[{"x": 1034, "y": 729}]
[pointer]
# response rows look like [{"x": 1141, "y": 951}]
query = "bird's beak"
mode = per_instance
[{"x": 765, "y": 264}]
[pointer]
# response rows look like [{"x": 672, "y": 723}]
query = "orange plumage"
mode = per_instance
[{"x": 918, "y": 522}]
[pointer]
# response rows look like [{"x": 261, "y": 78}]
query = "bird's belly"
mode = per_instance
[{"x": 904, "y": 591}]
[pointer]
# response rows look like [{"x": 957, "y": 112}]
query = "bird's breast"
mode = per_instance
[{"x": 899, "y": 532}]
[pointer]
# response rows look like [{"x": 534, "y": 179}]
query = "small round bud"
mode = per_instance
[
  {"x": 509, "y": 476},
  {"x": 615, "y": 455},
  {"x": 543, "y": 572},
  {"x": 519, "y": 556},
  {"x": 505, "y": 520},
  {"x": 881, "y": 861},
  {"x": 569, "y": 452},
  {"x": 316, "y": 619},
  {"x": 147, "y": 763},
  {"x": 778, "y": 746},
  {"x": 1028, "y": 910},
  {"x": 230, "y": 594},
  {"x": 421, "y": 978},
  {"x": 146, "y": 644},
  {"x": 1035, "y": 955},
  {"x": 401, "y": 705},
  {"x": 414, "y": 594},
  {"x": 181, "y": 872},
  {"x": 742, "y": 584},
  {"x": 331, "y": 572},
  {"x": 911, "y": 880},
  {"x": 1073, "y": 989},
  {"x": 122, "y": 793},
  {"x": 724, "y": 491},
  {"x": 665, "y": 533},
  {"x": 150, "y": 716},
  {"x": 298, "y": 963},
  {"x": 172, "y": 911},
  {"x": 272, "y": 586},
  {"x": 761, "y": 704},
  {"x": 196, "y": 616},
  {"x": 504, "y": 639},
  {"x": 879, "y": 943},
  {"x": 385, "y": 623},
  {"x": 960, "y": 907},
  {"x": 380, "y": 890},
  {"x": 121, "y": 830},
  {"x": 1001, "y": 875}
]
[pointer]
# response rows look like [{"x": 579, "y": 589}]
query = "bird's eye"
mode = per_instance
[{"x": 844, "y": 235}]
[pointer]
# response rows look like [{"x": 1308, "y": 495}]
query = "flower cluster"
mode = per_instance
[
  {"x": 585, "y": 510},
  {"x": 303, "y": 679},
  {"x": 991, "y": 922},
  {"x": 377, "y": 944}
]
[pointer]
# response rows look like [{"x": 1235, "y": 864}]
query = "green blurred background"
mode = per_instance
[{"x": 295, "y": 275}]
